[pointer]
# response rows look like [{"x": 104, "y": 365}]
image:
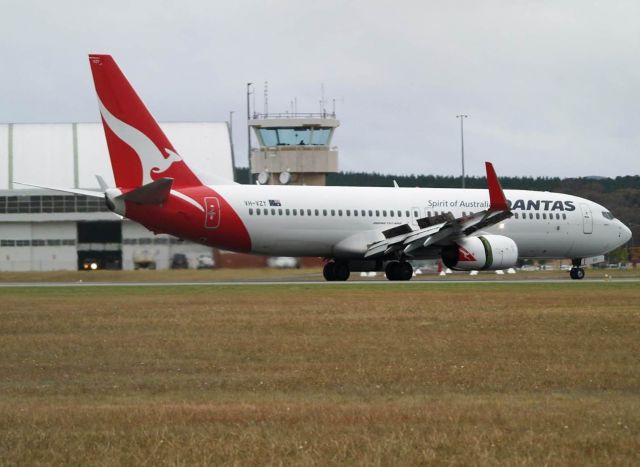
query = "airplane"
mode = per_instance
[{"x": 352, "y": 228}]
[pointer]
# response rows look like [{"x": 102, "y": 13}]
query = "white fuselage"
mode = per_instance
[{"x": 319, "y": 221}]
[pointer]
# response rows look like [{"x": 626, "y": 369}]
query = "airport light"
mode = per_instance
[
  {"x": 249, "y": 130},
  {"x": 233, "y": 157},
  {"x": 462, "y": 117}
]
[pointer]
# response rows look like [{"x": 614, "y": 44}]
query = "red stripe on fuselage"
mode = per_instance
[{"x": 182, "y": 219}]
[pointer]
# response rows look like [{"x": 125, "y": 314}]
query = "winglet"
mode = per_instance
[
  {"x": 498, "y": 202},
  {"x": 102, "y": 183}
]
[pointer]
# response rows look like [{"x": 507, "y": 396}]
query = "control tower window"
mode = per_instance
[
  {"x": 320, "y": 136},
  {"x": 295, "y": 136}
]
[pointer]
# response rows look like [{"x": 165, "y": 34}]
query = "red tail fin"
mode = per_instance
[
  {"x": 139, "y": 150},
  {"x": 497, "y": 200}
]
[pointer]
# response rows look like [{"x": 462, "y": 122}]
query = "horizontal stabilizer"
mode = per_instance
[
  {"x": 74, "y": 191},
  {"x": 152, "y": 193}
]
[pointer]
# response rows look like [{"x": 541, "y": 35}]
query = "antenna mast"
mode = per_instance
[{"x": 266, "y": 97}]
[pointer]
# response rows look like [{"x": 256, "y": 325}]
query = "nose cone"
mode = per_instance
[{"x": 625, "y": 233}]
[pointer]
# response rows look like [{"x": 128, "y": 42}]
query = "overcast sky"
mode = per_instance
[{"x": 551, "y": 88}]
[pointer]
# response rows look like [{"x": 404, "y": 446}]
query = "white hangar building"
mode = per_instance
[{"x": 45, "y": 230}]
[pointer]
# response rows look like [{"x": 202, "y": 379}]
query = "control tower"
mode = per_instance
[{"x": 293, "y": 148}]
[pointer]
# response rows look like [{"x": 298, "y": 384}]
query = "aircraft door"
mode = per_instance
[
  {"x": 212, "y": 212},
  {"x": 587, "y": 219}
]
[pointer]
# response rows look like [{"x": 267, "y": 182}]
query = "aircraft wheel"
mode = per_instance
[
  {"x": 392, "y": 270},
  {"x": 405, "y": 271},
  {"x": 576, "y": 273},
  {"x": 329, "y": 271},
  {"x": 341, "y": 271}
]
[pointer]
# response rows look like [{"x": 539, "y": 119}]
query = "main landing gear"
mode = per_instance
[
  {"x": 576, "y": 271},
  {"x": 336, "y": 271},
  {"x": 399, "y": 271}
]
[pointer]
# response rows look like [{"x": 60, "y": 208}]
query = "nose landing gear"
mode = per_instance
[{"x": 576, "y": 272}]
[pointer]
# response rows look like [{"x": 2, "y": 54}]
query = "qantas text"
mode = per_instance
[{"x": 542, "y": 204}]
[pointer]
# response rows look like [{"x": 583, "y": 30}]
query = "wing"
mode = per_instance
[{"x": 442, "y": 229}]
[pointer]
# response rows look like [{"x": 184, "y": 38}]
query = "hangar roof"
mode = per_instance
[{"x": 71, "y": 154}]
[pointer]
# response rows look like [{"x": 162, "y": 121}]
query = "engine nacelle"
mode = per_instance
[{"x": 488, "y": 252}]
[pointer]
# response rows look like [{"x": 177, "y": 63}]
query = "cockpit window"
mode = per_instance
[{"x": 607, "y": 215}]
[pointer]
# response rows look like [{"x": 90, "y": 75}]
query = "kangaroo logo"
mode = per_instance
[
  {"x": 465, "y": 255},
  {"x": 151, "y": 158}
]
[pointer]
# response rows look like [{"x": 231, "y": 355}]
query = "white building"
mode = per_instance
[{"x": 46, "y": 230}]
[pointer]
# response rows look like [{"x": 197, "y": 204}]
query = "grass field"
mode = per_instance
[{"x": 452, "y": 374}]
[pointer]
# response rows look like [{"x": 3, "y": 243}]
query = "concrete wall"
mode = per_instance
[
  {"x": 52, "y": 246},
  {"x": 54, "y": 255}
]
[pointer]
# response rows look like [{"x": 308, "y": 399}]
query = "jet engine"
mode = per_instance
[{"x": 488, "y": 252}]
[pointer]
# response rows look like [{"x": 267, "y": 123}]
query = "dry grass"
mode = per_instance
[
  {"x": 160, "y": 275},
  {"x": 446, "y": 374}
]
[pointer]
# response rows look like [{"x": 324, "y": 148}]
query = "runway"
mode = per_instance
[{"x": 368, "y": 283}]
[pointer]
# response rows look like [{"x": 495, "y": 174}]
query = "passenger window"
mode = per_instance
[
  {"x": 391, "y": 213},
  {"x": 286, "y": 211},
  {"x": 339, "y": 212},
  {"x": 279, "y": 212},
  {"x": 515, "y": 215},
  {"x": 302, "y": 212},
  {"x": 406, "y": 214},
  {"x": 415, "y": 214},
  {"x": 429, "y": 214},
  {"x": 363, "y": 213},
  {"x": 348, "y": 212},
  {"x": 355, "y": 212},
  {"x": 317, "y": 212},
  {"x": 557, "y": 216},
  {"x": 258, "y": 212},
  {"x": 377, "y": 213},
  {"x": 530, "y": 215},
  {"x": 324, "y": 212},
  {"x": 384, "y": 213},
  {"x": 333, "y": 212},
  {"x": 308, "y": 212},
  {"x": 537, "y": 215},
  {"x": 295, "y": 212},
  {"x": 564, "y": 216},
  {"x": 251, "y": 211},
  {"x": 544, "y": 215},
  {"x": 370, "y": 213},
  {"x": 273, "y": 212}
]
